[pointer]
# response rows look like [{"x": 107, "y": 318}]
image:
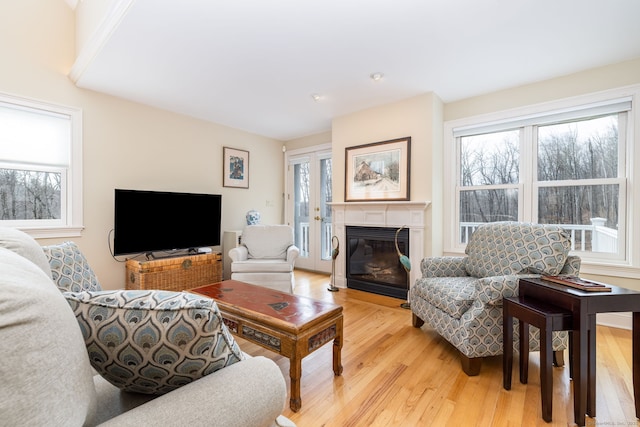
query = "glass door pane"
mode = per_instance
[
  {"x": 301, "y": 194},
  {"x": 325, "y": 197}
]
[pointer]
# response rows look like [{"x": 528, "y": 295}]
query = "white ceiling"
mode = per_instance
[{"x": 254, "y": 64}]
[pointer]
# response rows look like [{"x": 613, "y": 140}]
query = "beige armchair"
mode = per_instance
[{"x": 266, "y": 257}]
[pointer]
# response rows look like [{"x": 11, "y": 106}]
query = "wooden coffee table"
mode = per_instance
[{"x": 290, "y": 325}]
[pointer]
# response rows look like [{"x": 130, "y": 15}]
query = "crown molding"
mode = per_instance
[{"x": 101, "y": 36}]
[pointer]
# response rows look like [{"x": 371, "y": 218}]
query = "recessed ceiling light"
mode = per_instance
[
  {"x": 376, "y": 77},
  {"x": 316, "y": 97}
]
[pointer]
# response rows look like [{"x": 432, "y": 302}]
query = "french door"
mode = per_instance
[{"x": 307, "y": 206}]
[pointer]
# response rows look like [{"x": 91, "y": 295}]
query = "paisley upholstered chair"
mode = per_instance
[
  {"x": 70, "y": 269},
  {"x": 461, "y": 297}
]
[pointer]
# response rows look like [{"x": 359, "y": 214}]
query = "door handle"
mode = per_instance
[{"x": 317, "y": 218}]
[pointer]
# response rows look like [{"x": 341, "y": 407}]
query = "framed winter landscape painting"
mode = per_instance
[
  {"x": 379, "y": 171},
  {"x": 235, "y": 166}
]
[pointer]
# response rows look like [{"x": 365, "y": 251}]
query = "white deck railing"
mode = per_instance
[
  {"x": 303, "y": 235},
  {"x": 601, "y": 238}
]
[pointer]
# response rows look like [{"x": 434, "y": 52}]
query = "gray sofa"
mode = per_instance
[
  {"x": 48, "y": 379},
  {"x": 461, "y": 296}
]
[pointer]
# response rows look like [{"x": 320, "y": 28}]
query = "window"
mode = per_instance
[
  {"x": 565, "y": 163},
  {"x": 40, "y": 167}
]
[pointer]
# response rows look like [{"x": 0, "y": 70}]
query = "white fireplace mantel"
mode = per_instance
[{"x": 381, "y": 214}]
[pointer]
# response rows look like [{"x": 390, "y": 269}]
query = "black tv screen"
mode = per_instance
[{"x": 152, "y": 221}]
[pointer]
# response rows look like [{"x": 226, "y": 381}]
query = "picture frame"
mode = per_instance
[
  {"x": 379, "y": 171},
  {"x": 235, "y": 168}
]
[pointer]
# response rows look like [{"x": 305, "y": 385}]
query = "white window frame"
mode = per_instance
[
  {"x": 627, "y": 262},
  {"x": 71, "y": 221}
]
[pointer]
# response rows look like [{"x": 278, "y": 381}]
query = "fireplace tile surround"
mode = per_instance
[{"x": 381, "y": 214}]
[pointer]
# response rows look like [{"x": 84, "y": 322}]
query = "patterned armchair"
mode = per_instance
[{"x": 461, "y": 297}]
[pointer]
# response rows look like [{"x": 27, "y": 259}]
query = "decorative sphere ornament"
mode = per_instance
[{"x": 253, "y": 217}]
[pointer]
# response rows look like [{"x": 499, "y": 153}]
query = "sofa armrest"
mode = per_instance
[
  {"x": 217, "y": 399},
  {"x": 447, "y": 266},
  {"x": 239, "y": 253},
  {"x": 491, "y": 290},
  {"x": 292, "y": 253},
  {"x": 572, "y": 266}
]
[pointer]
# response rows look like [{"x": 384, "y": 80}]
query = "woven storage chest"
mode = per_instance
[{"x": 174, "y": 274}]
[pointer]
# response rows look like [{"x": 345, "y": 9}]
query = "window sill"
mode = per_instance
[
  {"x": 53, "y": 232},
  {"x": 610, "y": 270}
]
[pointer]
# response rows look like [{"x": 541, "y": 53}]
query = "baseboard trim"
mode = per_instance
[{"x": 615, "y": 320}]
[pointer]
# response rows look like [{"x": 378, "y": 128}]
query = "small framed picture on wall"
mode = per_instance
[{"x": 235, "y": 167}]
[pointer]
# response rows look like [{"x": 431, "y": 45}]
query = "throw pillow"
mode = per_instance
[
  {"x": 70, "y": 269},
  {"x": 21, "y": 243},
  {"x": 153, "y": 341}
]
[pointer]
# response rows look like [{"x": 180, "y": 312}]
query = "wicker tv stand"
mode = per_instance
[{"x": 174, "y": 274}]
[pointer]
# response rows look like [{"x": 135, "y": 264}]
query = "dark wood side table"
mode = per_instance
[
  {"x": 547, "y": 318},
  {"x": 584, "y": 306}
]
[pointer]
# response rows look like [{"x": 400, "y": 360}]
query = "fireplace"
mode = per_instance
[
  {"x": 372, "y": 262},
  {"x": 391, "y": 215}
]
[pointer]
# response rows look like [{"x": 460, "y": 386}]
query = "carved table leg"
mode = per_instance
[
  {"x": 337, "y": 353},
  {"x": 295, "y": 372}
]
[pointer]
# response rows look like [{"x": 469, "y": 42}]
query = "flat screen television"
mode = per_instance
[{"x": 154, "y": 221}]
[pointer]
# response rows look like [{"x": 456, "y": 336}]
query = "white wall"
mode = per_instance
[
  {"x": 309, "y": 141},
  {"x": 585, "y": 82},
  {"x": 89, "y": 16},
  {"x": 128, "y": 145},
  {"x": 418, "y": 117}
]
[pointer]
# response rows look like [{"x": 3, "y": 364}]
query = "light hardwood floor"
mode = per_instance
[{"x": 398, "y": 375}]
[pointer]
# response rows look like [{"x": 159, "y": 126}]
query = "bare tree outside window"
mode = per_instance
[
  {"x": 489, "y": 177},
  {"x": 576, "y": 184},
  {"x": 29, "y": 195},
  {"x": 584, "y": 151},
  {"x": 302, "y": 187},
  {"x": 578, "y": 151},
  {"x": 327, "y": 186},
  {"x": 326, "y": 197}
]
